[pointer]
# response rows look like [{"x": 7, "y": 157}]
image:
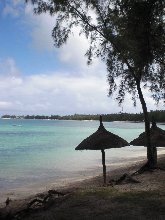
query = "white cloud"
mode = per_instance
[
  {"x": 82, "y": 91},
  {"x": 41, "y": 29},
  {"x": 60, "y": 93},
  {"x": 9, "y": 10},
  {"x": 12, "y": 8},
  {"x": 54, "y": 93},
  {"x": 8, "y": 67},
  {"x": 16, "y": 2},
  {"x": 72, "y": 53}
]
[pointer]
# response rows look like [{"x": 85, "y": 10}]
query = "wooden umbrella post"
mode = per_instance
[{"x": 104, "y": 166}]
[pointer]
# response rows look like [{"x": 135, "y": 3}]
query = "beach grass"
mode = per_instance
[{"x": 108, "y": 204}]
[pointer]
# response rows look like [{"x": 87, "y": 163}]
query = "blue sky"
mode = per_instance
[
  {"x": 37, "y": 78},
  {"x": 17, "y": 41}
]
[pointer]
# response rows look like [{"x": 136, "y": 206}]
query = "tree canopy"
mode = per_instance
[{"x": 129, "y": 35}]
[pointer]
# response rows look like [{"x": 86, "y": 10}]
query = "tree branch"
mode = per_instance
[{"x": 95, "y": 28}]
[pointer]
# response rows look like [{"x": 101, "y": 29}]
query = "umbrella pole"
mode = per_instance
[{"x": 104, "y": 167}]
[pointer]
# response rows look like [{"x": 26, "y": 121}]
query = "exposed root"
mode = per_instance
[
  {"x": 146, "y": 168},
  {"x": 143, "y": 169}
]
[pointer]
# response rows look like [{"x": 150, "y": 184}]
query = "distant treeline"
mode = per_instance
[{"x": 159, "y": 116}]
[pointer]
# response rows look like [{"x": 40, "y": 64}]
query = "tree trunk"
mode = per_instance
[{"x": 150, "y": 150}]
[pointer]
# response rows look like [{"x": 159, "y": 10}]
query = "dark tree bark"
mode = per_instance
[{"x": 150, "y": 150}]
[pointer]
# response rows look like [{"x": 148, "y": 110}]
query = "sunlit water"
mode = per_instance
[{"x": 34, "y": 151}]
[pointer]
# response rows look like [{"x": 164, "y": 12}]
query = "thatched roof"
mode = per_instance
[
  {"x": 102, "y": 139},
  {"x": 157, "y": 137}
]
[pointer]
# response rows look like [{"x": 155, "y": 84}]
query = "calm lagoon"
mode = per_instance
[{"x": 35, "y": 152}]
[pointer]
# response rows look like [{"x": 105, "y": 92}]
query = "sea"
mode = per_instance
[{"x": 37, "y": 152}]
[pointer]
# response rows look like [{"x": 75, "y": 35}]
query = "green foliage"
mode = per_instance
[{"x": 159, "y": 116}]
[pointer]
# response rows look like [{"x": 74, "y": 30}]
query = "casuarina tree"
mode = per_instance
[{"x": 128, "y": 35}]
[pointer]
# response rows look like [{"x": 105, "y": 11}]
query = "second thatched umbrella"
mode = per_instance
[
  {"x": 157, "y": 139},
  {"x": 101, "y": 140}
]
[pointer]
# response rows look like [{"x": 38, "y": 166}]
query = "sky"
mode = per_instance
[{"x": 37, "y": 78}]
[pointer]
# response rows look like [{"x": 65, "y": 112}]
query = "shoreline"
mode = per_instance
[
  {"x": 113, "y": 171},
  {"x": 90, "y": 198},
  {"x": 23, "y": 192}
]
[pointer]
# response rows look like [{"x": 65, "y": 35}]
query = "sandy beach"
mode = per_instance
[
  {"x": 29, "y": 189},
  {"x": 89, "y": 199}
]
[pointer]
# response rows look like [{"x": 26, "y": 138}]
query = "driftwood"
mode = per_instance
[
  {"x": 41, "y": 202},
  {"x": 52, "y": 197},
  {"x": 125, "y": 178},
  {"x": 53, "y": 192}
]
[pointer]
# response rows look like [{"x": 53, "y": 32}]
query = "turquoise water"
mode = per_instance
[{"x": 38, "y": 150}]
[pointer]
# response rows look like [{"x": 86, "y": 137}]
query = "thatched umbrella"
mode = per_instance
[
  {"x": 157, "y": 138},
  {"x": 101, "y": 140}
]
